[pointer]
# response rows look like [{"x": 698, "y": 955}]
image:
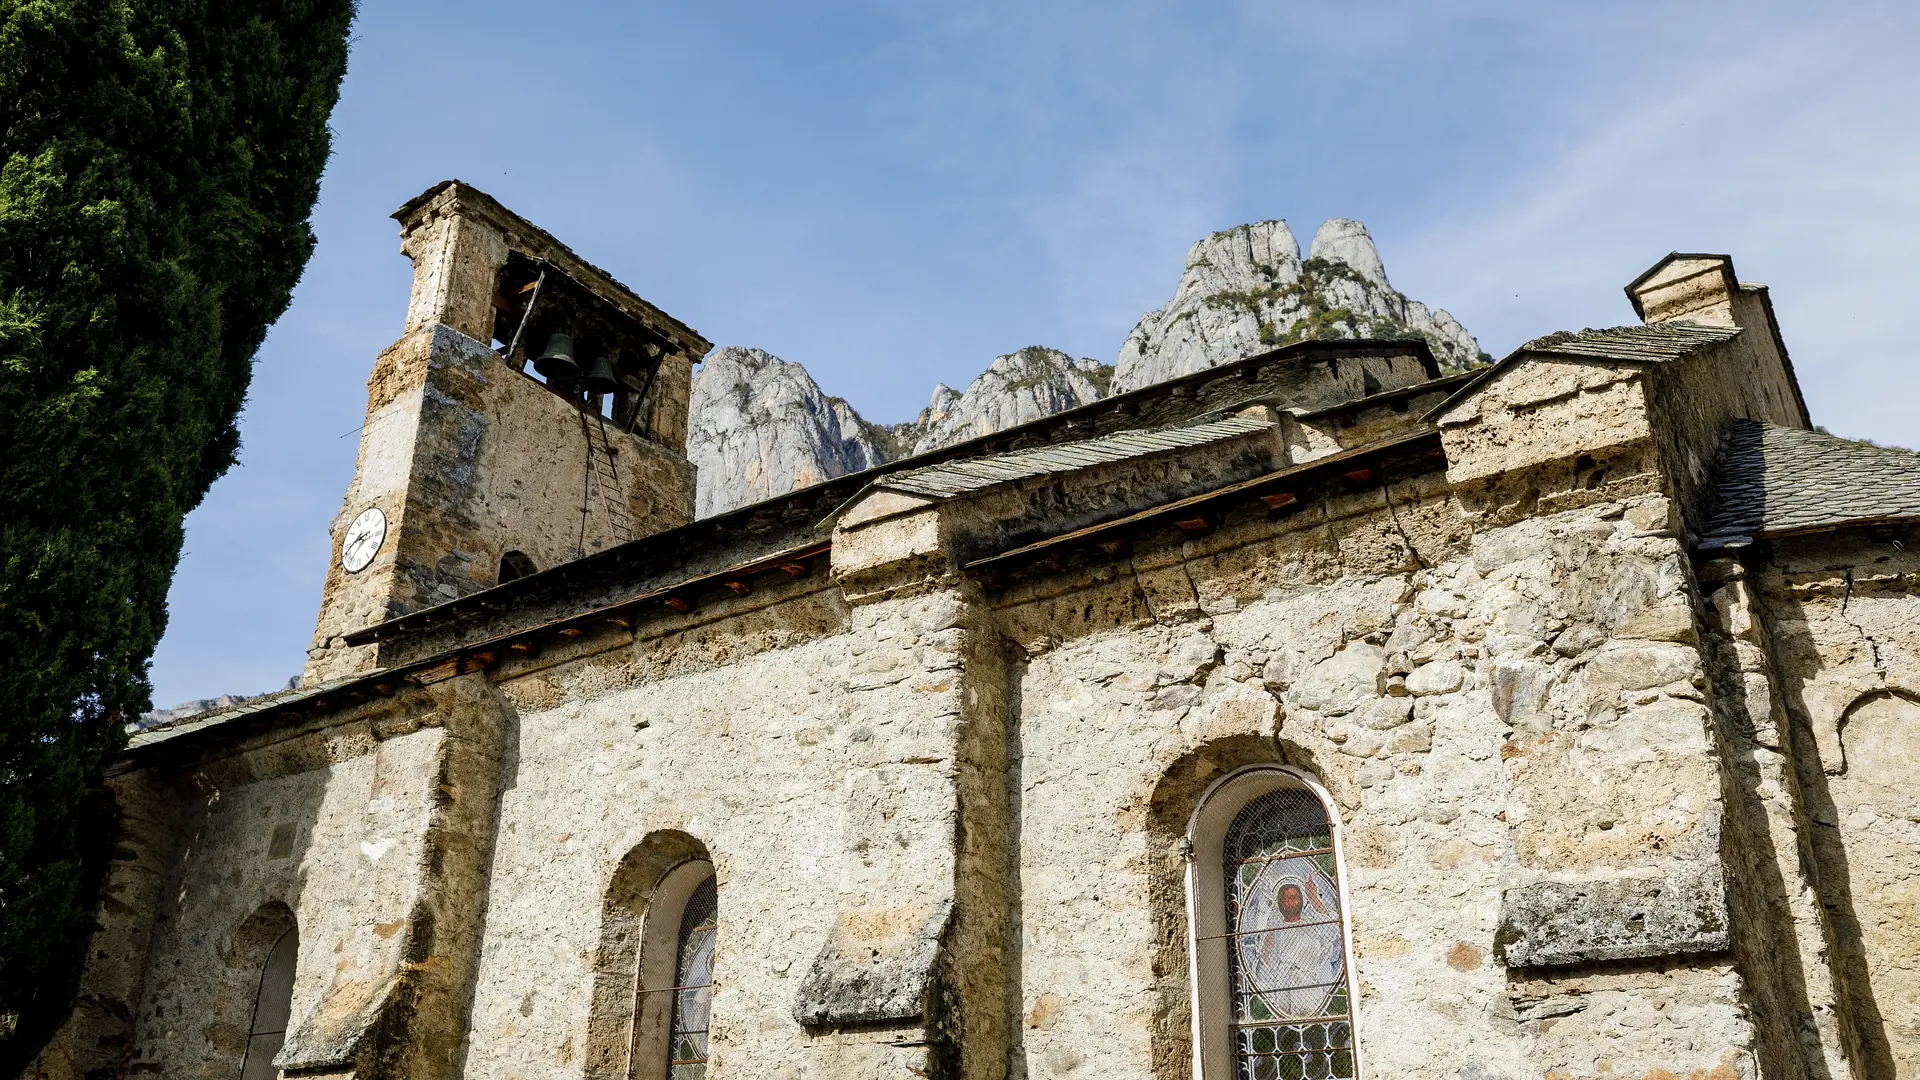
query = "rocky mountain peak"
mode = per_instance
[
  {"x": 1345, "y": 241},
  {"x": 1246, "y": 290},
  {"x": 1241, "y": 259},
  {"x": 1024, "y": 385},
  {"x": 760, "y": 426}
]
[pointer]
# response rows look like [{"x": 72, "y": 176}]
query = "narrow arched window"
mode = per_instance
[
  {"x": 271, "y": 1005},
  {"x": 1273, "y": 988},
  {"x": 675, "y": 996}
]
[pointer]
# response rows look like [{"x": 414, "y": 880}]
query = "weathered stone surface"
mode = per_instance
[
  {"x": 1836, "y": 622},
  {"x": 876, "y": 967},
  {"x": 1554, "y": 923}
]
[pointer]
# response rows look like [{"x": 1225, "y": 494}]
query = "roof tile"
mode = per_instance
[
  {"x": 1775, "y": 480},
  {"x": 952, "y": 478}
]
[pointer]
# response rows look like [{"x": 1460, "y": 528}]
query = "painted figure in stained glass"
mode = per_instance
[
  {"x": 1288, "y": 955},
  {"x": 693, "y": 982}
]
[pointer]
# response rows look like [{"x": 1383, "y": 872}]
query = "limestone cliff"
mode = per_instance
[
  {"x": 758, "y": 426},
  {"x": 1247, "y": 289},
  {"x": 1020, "y": 386}
]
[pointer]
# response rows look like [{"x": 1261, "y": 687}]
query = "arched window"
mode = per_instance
[
  {"x": 1271, "y": 968},
  {"x": 675, "y": 995},
  {"x": 271, "y": 1005},
  {"x": 515, "y": 565}
]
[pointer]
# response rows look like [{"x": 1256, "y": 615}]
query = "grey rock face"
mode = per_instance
[
  {"x": 1246, "y": 290},
  {"x": 1015, "y": 388},
  {"x": 1344, "y": 240},
  {"x": 759, "y": 426}
]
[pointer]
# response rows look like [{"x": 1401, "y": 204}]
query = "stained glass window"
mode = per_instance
[
  {"x": 1286, "y": 955},
  {"x": 693, "y": 985}
]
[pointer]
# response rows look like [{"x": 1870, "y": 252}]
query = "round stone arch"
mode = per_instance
[
  {"x": 242, "y": 962},
  {"x": 1178, "y": 793},
  {"x": 658, "y": 874},
  {"x": 1880, "y": 719}
]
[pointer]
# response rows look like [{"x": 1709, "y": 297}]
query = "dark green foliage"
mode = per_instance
[{"x": 158, "y": 163}]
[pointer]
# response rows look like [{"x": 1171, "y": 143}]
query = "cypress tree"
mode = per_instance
[{"x": 159, "y": 160}]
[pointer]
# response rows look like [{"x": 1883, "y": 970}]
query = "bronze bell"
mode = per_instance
[
  {"x": 557, "y": 363},
  {"x": 599, "y": 377}
]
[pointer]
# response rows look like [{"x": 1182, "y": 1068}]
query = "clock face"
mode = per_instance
[{"x": 363, "y": 540}]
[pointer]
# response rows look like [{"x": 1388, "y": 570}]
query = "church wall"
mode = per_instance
[
  {"x": 1842, "y": 614},
  {"x": 823, "y": 768},
  {"x": 92, "y": 1041},
  {"x": 1542, "y": 411},
  {"x": 1496, "y": 710},
  {"x": 328, "y": 825}
]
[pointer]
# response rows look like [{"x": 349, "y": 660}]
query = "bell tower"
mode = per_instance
[{"x": 533, "y": 411}]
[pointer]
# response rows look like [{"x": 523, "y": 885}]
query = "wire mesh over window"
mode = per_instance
[
  {"x": 693, "y": 985},
  {"x": 271, "y": 1006},
  {"x": 1287, "y": 957}
]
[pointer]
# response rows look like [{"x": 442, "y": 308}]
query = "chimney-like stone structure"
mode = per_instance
[
  {"x": 1750, "y": 377},
  {"x": 1687, "y": 288},
  {"x": 474, "y": 469}
]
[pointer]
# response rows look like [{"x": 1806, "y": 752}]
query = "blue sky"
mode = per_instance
[{"x": 893, "y": 194}]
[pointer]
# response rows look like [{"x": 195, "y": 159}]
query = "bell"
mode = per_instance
[
  {"x": 599, "y": 377},
  {"x": 557, "y": 363}
]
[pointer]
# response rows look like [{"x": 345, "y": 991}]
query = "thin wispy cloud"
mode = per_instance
[{"x": 1789, "y": 156}]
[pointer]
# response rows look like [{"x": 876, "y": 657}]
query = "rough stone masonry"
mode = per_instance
[{"x": 1314, "y": 715}]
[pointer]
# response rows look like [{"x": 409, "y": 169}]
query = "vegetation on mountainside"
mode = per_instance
[
  {"x": 159, "y": 160},
  {"x": 1311, "y": 317}
]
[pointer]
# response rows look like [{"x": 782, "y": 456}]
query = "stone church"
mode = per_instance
[{"x": 1312, "y": 716}]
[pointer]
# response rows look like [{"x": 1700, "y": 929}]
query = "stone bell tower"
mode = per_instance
[{"x": 476, "y": 468}]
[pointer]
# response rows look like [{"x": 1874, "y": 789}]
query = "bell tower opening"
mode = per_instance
[{"x": 533, "y": 406}]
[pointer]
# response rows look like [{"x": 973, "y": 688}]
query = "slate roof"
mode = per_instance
[
  {"x": 1774, "y": 481},
  {"x": 1657, "y": 342},
  {"x": 146, "y": 732},
  {"x": 952, "y": 478}
]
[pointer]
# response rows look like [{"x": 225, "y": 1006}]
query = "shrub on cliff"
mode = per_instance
[{"x": 159, "y": 160}]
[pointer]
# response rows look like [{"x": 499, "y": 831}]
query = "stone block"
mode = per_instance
[
  {"x": 1623, "y": 666},
  {"x": 1681, "y": 912},
  {"x": 1439, "y": 677},
  {"x": 1520, "y": 694},
  {"x": 876, "y": 967}
]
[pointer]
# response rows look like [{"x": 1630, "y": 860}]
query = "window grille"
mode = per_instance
[
  {"x": 271, "y": 1005},
  {"x": 693, "y": 984},
  {"x": 1286, "y": 955}
]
